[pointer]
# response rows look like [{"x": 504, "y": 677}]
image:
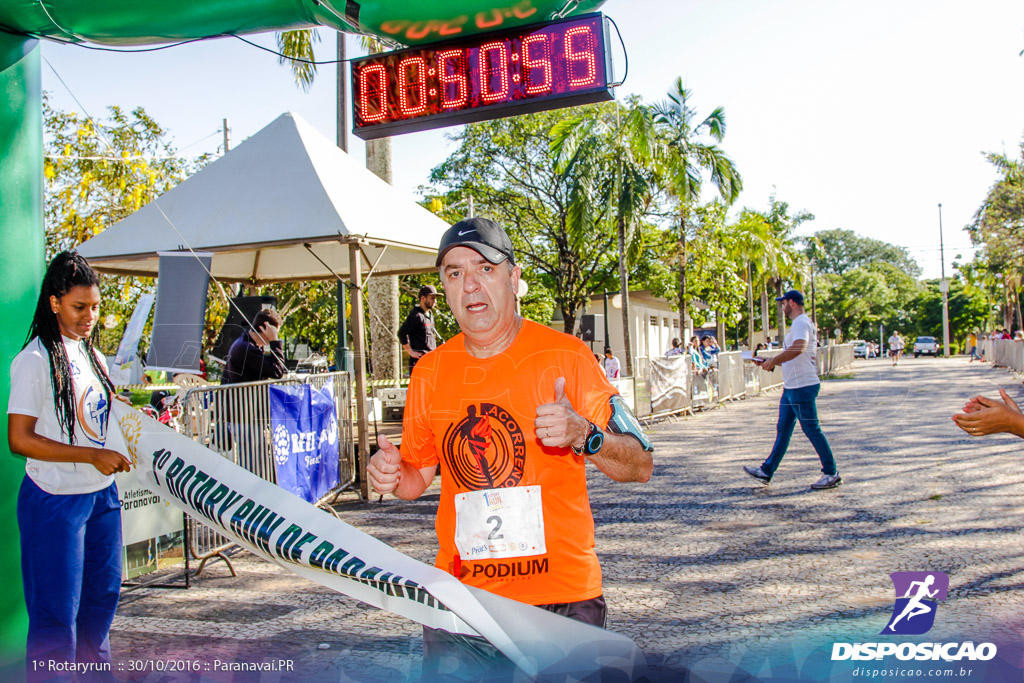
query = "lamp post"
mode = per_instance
[{"x": 944, "y": 288}]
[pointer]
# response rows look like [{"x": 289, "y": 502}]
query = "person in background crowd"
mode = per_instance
[
  {"x": 697, "y": 362},
  {"x": 610, "y": 364},
  {"x": 677, "y": 348},
  {"x": 506, "y": 380},
  {"x": 710, "y": 350},
  {"x": 246, "y": 360},
  {"x": 972, "y": 345},
  {"x": 896, "y": 345},
  {"x": 69, "y": 515},
  {"x": 800, "y": 385},
  {"x": 417, "y": 334}
]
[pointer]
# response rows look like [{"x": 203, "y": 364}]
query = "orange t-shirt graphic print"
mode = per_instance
[
  {"x": 476, "y": 430},
  {"x": 475, "y": 418}
]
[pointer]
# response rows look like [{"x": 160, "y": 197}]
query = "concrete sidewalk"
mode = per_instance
[{"x": 705, "y": 569}]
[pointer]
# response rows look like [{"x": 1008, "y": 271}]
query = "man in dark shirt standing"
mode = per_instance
[
  {"x": 246, "y": 361},
  {"x": 417, "y": 333}
]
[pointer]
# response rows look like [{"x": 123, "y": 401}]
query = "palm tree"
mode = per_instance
[
  {"x": 685, "y": 161},
  {"x": 750, "y": 241},
  {"x": 786, "y": 260},
  {"x": 296, "y": 48},
  {"x": 607, "y": 162}
]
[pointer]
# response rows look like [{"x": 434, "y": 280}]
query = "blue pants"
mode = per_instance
[
  {"x": 71, "y": 569},
  {"x": 799, "y": 404}
]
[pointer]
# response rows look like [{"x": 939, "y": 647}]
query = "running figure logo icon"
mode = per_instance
[
  {"x": 486, "y": 449},
  {"x": 917, "y": 594}
]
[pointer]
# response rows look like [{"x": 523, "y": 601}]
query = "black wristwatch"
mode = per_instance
[{"x": 593, "y": 441}]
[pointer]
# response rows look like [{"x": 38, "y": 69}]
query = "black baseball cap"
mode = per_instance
[
  {"x": 481, "y": 235},
  {"x": 793, "y": 295},
  {"x": 429, "y": 290}
]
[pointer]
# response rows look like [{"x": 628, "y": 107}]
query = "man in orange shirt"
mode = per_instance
[{"x": 511, "y": 411}]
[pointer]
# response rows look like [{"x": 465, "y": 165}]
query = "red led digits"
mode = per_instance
[
  {"x": 489, "y": 67},
  {"x": 580, "y": 57},
  {"x": 543, "y": 66},
  {"x": 456, "y": 60},
  {"x": 373, "y": 84},
  {"x": 408, "y": 104},
  {"x": 538, "y": 69}
]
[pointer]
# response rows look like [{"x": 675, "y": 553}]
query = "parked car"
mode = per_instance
[
  {"x": 860, "y": 348},
  {"x": 927, "y": 345}
]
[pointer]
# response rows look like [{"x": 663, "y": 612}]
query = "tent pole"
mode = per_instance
[
  {"x": 363, "y": 454},
  {"x": 22, "y": 263}
]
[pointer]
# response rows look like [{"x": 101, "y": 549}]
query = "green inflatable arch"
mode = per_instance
[{"x": 115, "y": 22}]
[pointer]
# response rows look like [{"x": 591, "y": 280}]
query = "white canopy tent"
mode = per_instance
[
  {"x": 256, "y": 207},
  {"x": 285, "y": 205}
]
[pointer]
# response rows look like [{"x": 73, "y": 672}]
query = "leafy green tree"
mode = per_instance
[
  {"x": 686, "y": 157},
  {"x": 841, "y": 250},
  {"x": 968, "y": 309},
  {"x": 998, "y": 230},
  {"x": 716, "y": 278},
  {"x": 98, "y": 172},
  {"x": 852, "y": 302}
]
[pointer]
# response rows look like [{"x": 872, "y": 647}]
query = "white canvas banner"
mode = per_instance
[
  {"x": 282, "y": 528},
  {"x": 670, "y": 383},
  {"x": 144, "y": 514}
]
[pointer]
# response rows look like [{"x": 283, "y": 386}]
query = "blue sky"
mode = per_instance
[{"x": 867, "y": 113}]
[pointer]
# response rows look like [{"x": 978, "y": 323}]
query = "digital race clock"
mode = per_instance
[{"x": 486, "y": 76}]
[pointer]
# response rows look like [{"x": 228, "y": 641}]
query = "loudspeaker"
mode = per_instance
[
  {"x": 588, "y": 325},
  {"x": 236, "y": 326}
]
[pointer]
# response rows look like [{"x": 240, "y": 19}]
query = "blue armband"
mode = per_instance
[{"x": 623, "y": 422}]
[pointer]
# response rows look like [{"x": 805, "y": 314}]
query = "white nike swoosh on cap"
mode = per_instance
[{"x": 465, "y": 233}]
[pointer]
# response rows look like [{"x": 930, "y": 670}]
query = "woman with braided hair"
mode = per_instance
[{"x": 68, "y": 510}]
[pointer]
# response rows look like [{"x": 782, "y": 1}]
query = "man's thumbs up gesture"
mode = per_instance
[
  {"x": 558, "y": 425},
  {"x": 385, "y": 467}
]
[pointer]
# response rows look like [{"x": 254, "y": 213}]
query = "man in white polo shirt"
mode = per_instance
[{"x": 800, "y": 386}]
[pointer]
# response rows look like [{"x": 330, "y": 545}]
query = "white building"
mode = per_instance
[{"x": 653, "y": 325}]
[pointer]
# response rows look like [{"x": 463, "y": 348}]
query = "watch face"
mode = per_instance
[{"x": 595, "y": 441}]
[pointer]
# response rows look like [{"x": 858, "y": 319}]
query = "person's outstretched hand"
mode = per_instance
[{"x": 983, "y": 416}]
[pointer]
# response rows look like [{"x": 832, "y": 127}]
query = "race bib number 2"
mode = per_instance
[{"x": 499, "y": 523}]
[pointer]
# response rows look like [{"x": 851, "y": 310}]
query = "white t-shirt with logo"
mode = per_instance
[
  {"x": 611, "y": 367},
  {"x": 32, "y": 395},
  {"x": 802, "y": 371}
]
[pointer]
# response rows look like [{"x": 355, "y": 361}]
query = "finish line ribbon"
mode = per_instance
[{"x": 286, "y": 530}]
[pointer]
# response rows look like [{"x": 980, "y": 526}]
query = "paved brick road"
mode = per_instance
[{"x": 704, "y": 568}]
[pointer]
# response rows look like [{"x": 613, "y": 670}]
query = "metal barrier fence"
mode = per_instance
[
  {"x": 673, "y": 387},
  {"x": 1005, "y": 352},
  {"x": 234, "y": 420},
  {"x": 834, "y": 357}
]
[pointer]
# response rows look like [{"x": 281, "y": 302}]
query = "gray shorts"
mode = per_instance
[{"x": 456, "y": 657}]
